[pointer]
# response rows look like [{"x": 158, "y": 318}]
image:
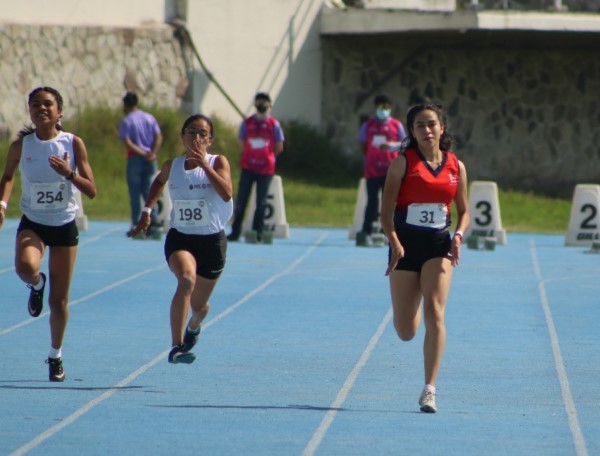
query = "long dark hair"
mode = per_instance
[
  {"x": 446, "y": 140},
  {"x": 59, "y": 101}
]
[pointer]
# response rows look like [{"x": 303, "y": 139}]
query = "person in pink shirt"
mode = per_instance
[
  {"x": 378, "y": 139},
  {"x": 261, "y": 138}
]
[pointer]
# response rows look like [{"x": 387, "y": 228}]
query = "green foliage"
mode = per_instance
[
  {"x": 320, "y": 183},
  {"x": 309, "y": 157}
]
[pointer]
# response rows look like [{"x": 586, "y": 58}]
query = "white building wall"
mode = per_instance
[
  {"x": 258, "y": 45},
  {"x": 114, "y": 13},
  {"x": 247, "y": 45}
]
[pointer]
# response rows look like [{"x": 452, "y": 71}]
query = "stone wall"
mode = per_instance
[
  {"x": 89, "y": 66},
  {"x": 524, "y": 110}
]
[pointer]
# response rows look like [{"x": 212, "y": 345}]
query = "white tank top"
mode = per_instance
[
  {"x": 197, "y": 207},
  {"x": 47, "y": 197}
]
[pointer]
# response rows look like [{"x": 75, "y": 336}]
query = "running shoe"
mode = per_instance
[
  {"x": 36, "y": 298},
  {"x": 179, "y": 355},
  {"x": 190, "y": 338},
  {"x": 427, "y": 402},
  {"x": 55, "y": 367}
]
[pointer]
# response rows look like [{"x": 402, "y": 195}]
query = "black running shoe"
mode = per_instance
[
  {"x": 36, "y": 299},
  {"x": 190, "y": 338},
  {"x": 179, "y": 355},
  {"x": 56, "y": 369}
]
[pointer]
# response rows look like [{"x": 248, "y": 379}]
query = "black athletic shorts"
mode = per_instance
[
  {"x": 66, "y": 235},
  {"x": 421, "y": 246},
  {"x": 209, "y": 250}
]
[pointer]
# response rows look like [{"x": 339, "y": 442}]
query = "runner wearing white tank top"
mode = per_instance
[
  {"x": 54, "y": 166},
  {"x": 195, "y": 248}
]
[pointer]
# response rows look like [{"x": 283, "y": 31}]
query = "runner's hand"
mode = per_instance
[
  {"x": 397, "y": 252},
  {"x": 142, "y": 225},
  {"x": 456, "y": 243}
]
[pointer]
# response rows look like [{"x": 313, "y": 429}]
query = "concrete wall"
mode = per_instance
[
  {"x": 89, "y": 66},
  {"x": 258, "y": 45},
  {"x": 247, "y": 46},
  {"x": 523, "y": 107}
]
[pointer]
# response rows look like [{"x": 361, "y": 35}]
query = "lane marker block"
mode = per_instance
[
  {"x": 81, "y": 219},
  {"x": 275, "y": 218},
  {"x": 584, "y": 222},
  {"x": 359, "y": 210},
  {"x": 484, "y": 207}
]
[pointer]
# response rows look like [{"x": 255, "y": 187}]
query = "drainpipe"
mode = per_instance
[{"x": 185, "y": 38}]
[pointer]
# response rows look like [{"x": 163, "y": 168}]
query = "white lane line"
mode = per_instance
[
  {"x": 319, "y": 434},
  {"x": 87, "y": 241},
  {"x": 85, "y": 298},
  {"x": 577, "y": 434},
  {"x": 268, "y": 282},
  {"x": 112, "y": 390}
]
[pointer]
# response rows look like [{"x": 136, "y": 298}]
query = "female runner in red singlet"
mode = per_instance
[{"x": 419, "y": 190}]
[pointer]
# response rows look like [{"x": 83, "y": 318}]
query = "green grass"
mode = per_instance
[
  {"x": 524, "y": 212},
  {"x": 319, "y": 181}
]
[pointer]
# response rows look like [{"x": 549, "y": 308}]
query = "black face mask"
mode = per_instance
[{"x": 261, "y": 107}]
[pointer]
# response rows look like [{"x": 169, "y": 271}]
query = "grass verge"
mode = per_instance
[{"x": 320, "y": 183}]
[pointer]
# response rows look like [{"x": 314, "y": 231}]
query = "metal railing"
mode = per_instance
[
  {"x": 535, "y": 5},
  {"x": 582, "y": 6}
]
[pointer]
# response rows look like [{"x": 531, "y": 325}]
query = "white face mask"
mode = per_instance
[{"x": 383, "y": 114}]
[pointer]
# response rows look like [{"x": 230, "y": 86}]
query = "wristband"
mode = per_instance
[
  {"x": 3, "y": 205},
  {"x": 459, "y": 234},
  {"x": 147, "y": 210}
]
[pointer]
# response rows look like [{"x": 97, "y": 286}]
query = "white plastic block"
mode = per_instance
[
  {"x": 484, "y": 208},
  {"x": 584, "y": 222},
  {"x": 275, "y": 218}
]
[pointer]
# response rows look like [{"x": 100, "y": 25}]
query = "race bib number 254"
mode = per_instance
[{"x": 49, "y": 196}]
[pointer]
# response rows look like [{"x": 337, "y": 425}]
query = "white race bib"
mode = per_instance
[
  {"x": 257, "y": 143},
  {"x": 49, "y": 196},
  {"x": 190, "y": 213},
  {"x": 427, "y": 215},
  {"x": 378, "y": 140}
]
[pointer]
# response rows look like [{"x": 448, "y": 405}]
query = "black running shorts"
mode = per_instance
[
  {"x": 66, "y": 235},
  {"x": 209, "y": 251},
  {"x": 421, "y": 246}
]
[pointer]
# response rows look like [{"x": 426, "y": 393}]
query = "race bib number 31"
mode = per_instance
[
  {"x": 49, "y": 196},
  {"x": 427, "y": 215},
  {"x": 190, "y": 213}
]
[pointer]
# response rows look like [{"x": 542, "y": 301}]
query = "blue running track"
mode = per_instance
[{"x": 298, "y": 355}]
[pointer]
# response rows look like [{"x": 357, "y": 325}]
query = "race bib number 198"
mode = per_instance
[
  {"x": 190, "y": 213},
  {"x": 427, "y": 215}
]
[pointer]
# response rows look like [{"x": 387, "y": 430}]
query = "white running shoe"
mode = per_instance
[{"x": 427, "y": 402}]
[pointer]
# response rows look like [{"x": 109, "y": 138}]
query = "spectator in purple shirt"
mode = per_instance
[{"x": 141, "y": 135}]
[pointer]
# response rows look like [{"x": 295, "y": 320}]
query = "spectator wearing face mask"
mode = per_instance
[
  {"x": 261, "y": 139},
  {"x": 379, "y": 138}
]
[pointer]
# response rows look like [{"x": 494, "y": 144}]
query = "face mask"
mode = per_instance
[
  {"x": 383, "y": 114},
  {"x": 261, "y": 107}
]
